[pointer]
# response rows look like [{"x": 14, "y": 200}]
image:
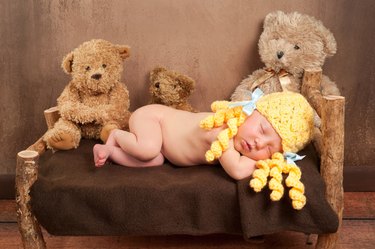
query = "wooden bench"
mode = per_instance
[{"x": 329, "y": 143}]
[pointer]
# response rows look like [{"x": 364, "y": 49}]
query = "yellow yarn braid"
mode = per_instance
[
  {"x": 260, "y": 175},
  {"x": 275, "y": 184},
  {"x": 274, "y": 168},
  {"x": 296, "y": 193},
  {"x": 223, "y": 114}
]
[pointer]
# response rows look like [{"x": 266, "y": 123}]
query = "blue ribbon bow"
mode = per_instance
[
  {"x": 249, "y": 106},
  {"x": 292, "y": 157}
]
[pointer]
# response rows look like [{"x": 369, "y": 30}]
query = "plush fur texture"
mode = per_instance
[
  {"x": 95, "y": 101},
  {"x": 289, "y": 43},
  {"x": 171, "y": 88}
]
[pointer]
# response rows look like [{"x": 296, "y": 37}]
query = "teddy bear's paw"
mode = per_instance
[
  {"x": 106, "y": 130},
  {"x": 61, "y": 141}
]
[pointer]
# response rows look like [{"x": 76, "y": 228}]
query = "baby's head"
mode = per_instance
[
  {"x": 277, "y": 122},
  {"x": 281, "y": 122}
]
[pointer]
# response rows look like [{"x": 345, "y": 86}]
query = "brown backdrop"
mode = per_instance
[{"x": 213, "y": 41}]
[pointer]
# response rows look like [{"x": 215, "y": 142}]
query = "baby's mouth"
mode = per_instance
[{"x": 245, "y": 145}]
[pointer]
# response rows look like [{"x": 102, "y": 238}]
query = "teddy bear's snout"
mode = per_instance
[
  {"x": 96, "y": 76},
  {"x": 280, "y": 54}
]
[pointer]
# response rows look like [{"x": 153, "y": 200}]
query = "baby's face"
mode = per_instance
[{"x": 256, "y": 138}]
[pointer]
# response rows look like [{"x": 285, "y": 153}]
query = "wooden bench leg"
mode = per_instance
[
  {"x": 26, "y": 174},
  {"x": 327, "y": 241},
  {"x": 332, "y": 161}
]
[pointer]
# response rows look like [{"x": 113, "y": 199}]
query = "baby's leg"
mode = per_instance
[
  {"x": 111, "y": 138},
  {"x": 101, "y": 153},
  {"x": 144, "y": 141},
  {"x": 117, "y": 155}
]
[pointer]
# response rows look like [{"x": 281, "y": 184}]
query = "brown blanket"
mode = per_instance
[
  {"x": 316, "y": 217},
  {"x": 72, "y": 197}
]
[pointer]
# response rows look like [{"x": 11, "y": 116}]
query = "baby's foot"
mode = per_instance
[{"x": 101, "y": 154}]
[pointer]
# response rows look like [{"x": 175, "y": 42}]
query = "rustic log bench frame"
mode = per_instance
[{"x": 329, "y": 143}]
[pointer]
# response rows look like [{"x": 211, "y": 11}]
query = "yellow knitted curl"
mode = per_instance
[
  {"x": 223, "y": 114},
  {"x": 274, "y": 168}
]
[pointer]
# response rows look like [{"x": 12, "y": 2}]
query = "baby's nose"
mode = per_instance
[{"x": 260, "y": 143}]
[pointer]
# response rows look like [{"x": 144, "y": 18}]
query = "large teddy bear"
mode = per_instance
[
  {"x": 95, "y": 101},
  {"x": 289, "y": 44}
]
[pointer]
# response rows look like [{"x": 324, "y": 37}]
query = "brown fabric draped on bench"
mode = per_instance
[{"x": 72, "y": 197}]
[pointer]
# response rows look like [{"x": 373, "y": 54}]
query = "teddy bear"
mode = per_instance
[
  {"x": 94, "y": 102},
  {"x": 171, "y": 88},
  {"x": 289, "y": 44}
]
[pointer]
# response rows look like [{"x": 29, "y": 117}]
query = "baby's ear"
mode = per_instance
[
  {"x": 67, "y": 63},
  {"x": 124, "y": 51}
]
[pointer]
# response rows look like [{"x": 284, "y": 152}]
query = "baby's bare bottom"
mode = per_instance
[{"x": 141, "y": 147}]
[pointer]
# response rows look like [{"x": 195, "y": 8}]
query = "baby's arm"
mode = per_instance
[{"x": 236, "y": 165}]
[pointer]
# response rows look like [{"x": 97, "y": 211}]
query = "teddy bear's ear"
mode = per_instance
[
  {"x": 154, "y": 73},
  {"x": 67, "y": 63},
  {"x": 271, "y": 18},
  {"x": 124, "y": 51},
  {"x": 186, "y": 83},
  {"x": 330, "y": 45}
]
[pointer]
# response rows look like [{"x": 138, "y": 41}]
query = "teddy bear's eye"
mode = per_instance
[
  {"x": 157, "y": 84},
  {"x": 104, "y": 65},
  {"x": 296, "y": 47},
  {"x": 88, "y": 68}
]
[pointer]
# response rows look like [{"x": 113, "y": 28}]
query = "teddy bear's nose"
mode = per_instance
[
  {"x": 280, "y": 54},
  {"x": 96, "y": 76}
]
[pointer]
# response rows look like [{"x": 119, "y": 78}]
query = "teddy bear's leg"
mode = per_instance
[
  {"x": 65, "y": 135},
  {"x": 106, "y": 130},
  {"x": 90, "y": 130}
]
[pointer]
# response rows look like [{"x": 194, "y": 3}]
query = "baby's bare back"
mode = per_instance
[{"x": 184, "y": 142}]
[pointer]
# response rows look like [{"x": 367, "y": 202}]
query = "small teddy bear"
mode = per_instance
[
  {"x": 95, "y": 101},
  {"x": 171, "y": 88},
  {"x": 289, "y": 43}
]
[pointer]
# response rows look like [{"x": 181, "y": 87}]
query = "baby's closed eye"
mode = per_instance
[
  {"x": 269, "y": 151},
  {"x": 261, "y": 129}
]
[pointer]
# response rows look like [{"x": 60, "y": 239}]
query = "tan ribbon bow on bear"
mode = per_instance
[{"x": 282, "y": 75}]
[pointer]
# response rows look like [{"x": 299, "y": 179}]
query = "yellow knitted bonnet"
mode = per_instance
[{"x": 291, "y": 116}]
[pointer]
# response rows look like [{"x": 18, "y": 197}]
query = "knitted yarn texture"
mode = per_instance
[
  {"x": 274, "y": 168},
  {"x": 291, "y": 116},
  {"x": 233, "y": 117}
]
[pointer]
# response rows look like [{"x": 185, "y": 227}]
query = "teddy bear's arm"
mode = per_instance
[
  {"x": 242, "y": 90},
  {"x": 71, "y": 107},
  {"x": 239, "y": 93},
  {"x": 117, "y": 107},
  {"x": 329, "y": 87}
]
